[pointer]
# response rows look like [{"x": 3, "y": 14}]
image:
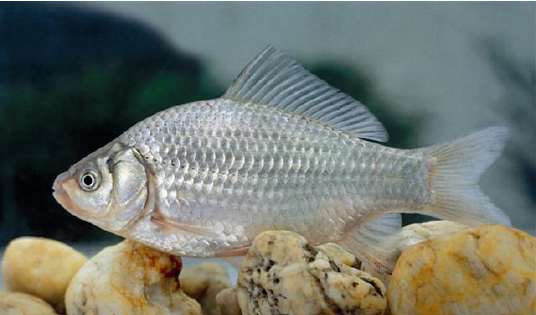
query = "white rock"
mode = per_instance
[
  {"x": 203, "y": 283},
  {"x": 419, "y": 232},
  {"x": 227, "y": 302},
  {"x": 132, "y": 279}
]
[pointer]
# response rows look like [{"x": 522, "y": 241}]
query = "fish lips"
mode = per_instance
[{"x": 61, "y": 195}]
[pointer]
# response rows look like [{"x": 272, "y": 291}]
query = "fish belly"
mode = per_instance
[{"x": 248, "y": 168}]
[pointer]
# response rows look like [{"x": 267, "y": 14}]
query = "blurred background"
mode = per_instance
[{"x": 74, "y": 76}]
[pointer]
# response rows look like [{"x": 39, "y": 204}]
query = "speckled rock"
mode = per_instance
[
  {"x": 228, "y": 302},
  {"x": 129, "y": 278},
  {"x": 40, "y": 267},
  {"x": 16, "y": 303},
  {"x": 336, "y": 252},
  {"x": 203, "y": 283},
  {"x": 482, "y": 270},
  {"x": 282, "y": 273}
]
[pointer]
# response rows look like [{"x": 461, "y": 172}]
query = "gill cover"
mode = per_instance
[{"x": 130, "y": 185}]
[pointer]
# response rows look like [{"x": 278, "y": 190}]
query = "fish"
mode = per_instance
[{"x": 280, "y": 150}]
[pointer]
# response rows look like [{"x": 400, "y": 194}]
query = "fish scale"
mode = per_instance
[{"x": 276, "y": 146}]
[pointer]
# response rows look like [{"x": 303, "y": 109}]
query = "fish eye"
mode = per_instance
[{"x": 89, "y": 181}]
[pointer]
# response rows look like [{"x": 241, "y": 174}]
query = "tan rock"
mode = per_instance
[
  {"x": 203, "y": 283},
  {"x": 482, "y": 270},
  {"x": 228, "y": 302},
  {"x": 282, "y": 273},
  {"x": 40, "y": 267},
  {"x": 16, "y": 303},
  {"x": 129, "y": 278}
]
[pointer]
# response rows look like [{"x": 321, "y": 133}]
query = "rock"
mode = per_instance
[
  {"x": 203, "y": 283},
  {"x": 227, "y": 302},
  {"x": 16, "y": 303},
  {"x": 420, "y": 232},
  {"x": 336, "y": 252},
  {"x": 482, "y": 270},
  {"x": 129, "y": 278},
  {"x": 40, "y": 267},
  {"x": 282, "y": 273}
]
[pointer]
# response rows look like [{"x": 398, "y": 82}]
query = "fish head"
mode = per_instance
[{"x": 109, "y": 188}]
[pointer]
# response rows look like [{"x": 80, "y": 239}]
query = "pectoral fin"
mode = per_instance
[
  {"x": 233, "y": 252},
  {"x": 192, "y": 229}
]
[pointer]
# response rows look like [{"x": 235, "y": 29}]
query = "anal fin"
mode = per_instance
[{"x": 374, "y": 242}]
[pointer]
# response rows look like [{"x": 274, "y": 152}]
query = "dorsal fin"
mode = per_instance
[{"x": 274, "y": 79}]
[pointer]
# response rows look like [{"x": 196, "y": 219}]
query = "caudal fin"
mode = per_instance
[{"x": 456, "y": 174}]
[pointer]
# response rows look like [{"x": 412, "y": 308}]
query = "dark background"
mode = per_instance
[{"x": 72, "y": 79}]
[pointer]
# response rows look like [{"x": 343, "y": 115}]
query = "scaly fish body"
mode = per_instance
[
  {"x": 245, "y": 169},
  {"x": 203, "y": 179}
]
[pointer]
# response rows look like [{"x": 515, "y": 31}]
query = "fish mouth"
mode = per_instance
[
  {"x": 58, "y": 182},
  {"x": 61, "y": 195}
]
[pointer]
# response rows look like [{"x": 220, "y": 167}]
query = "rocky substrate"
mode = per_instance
[{"x": 444, "y": 268}]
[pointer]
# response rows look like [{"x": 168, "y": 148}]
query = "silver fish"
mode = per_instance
[{"x": 280, "y": 150}]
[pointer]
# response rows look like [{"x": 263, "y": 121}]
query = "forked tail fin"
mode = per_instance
[
  {"x": 458, "y": 167},
  {"x": 454, "y": 178}
]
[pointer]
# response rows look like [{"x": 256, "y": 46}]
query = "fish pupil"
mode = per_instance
[{"x": 88, "y": 180}]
